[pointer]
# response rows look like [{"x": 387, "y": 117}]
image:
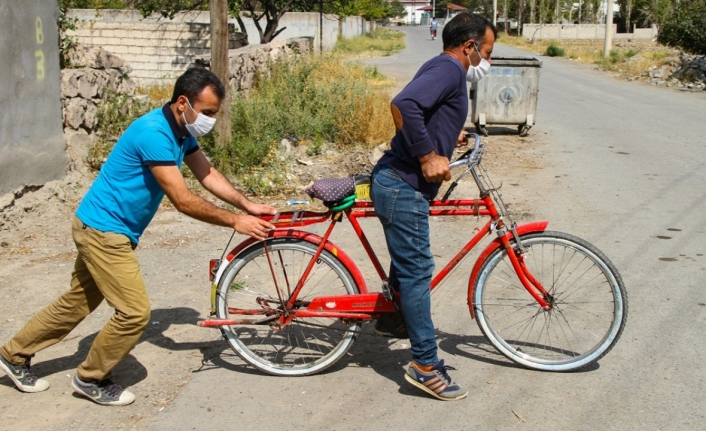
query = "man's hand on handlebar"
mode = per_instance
[
  {"x": 462, "y": 139},
  {"x": 435, "y": 168}
]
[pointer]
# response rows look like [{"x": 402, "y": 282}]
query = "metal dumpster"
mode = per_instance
[{"x": 507, "y": 95}]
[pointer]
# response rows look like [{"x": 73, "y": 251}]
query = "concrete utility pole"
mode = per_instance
[
  {"x": 608, "y": 29},
  {"x": 219, "y": 66},
  {"x": 495, "y": 13}
]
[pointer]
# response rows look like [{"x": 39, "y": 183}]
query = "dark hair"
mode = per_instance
[
  {"x": 465, "y": 26},
  {"x": 192, "y": 82}
]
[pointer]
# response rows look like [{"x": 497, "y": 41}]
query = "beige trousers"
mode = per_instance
[{"x": 106, "y": 267}]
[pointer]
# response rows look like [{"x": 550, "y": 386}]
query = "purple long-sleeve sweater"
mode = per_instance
[{"x": 433, "y": 109}]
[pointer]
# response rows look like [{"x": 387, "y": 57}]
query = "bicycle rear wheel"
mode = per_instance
[
  {"x": 589, "y": 304},
  {"x": 304, "y": 346}
]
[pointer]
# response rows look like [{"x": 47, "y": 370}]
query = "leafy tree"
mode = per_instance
[
  {"x": 271, "y": 10},
  {"x": 396, "y": 9},
  {"x": 368, "y": 9},
  {"x": 686, "y": 27},
  {"x": 648, "y": 12}
]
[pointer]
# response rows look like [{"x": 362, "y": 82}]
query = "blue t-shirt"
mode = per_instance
[
  {"x": 125, "y": 196},
  {"x": 433, "y": 106}
]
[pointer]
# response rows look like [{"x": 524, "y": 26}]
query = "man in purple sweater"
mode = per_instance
[{"x": 429, "y": 116}]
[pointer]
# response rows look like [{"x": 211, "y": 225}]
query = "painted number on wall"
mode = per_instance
[{"x": 39, "y": 54}]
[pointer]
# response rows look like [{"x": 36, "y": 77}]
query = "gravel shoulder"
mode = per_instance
[{"x": 37, "y": 255}]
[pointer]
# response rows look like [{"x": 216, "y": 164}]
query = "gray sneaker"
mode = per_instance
[
  {"x": 23, "y": 377},
  {"x": 436, "y": 382},
  {"x": 105, "y": 392}
]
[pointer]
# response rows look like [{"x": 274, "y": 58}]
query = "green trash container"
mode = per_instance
[{"x": 506, "y": 96}]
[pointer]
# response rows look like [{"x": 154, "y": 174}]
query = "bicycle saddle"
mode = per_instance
[{"x": 337, "y": 192}]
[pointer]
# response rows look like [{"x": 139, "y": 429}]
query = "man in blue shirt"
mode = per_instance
[
  {"x": 143, "y": 167},
  {"x": 429, "y": 115}
]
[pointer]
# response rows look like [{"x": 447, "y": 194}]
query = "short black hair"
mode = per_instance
[
  {"x": 192, "y": 82},
  {"x": 466, "y": 26}
]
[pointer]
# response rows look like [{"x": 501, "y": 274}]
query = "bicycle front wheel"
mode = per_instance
[
  {"x": 589, "y": 304},
  {"x": 248, "y": 285}
]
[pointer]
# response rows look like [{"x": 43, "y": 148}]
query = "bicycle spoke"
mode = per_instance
[
  {"x": 578, "y": 327},
  {"x": 303, "y": 345}
]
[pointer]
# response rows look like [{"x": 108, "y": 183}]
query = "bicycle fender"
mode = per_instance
[
  {"x": 523, "y": 229},
  {"x": 305, "y": 236}
]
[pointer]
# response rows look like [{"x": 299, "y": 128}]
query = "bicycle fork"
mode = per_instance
[{"x": 517, "y": 259}]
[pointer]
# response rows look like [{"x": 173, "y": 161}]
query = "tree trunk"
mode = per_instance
[
  {"x": 242, "y": 27},
  {"x": 520, "y": 16},
  {"x": 507, "y": 25},
  {"x": 219, "y": 66},
  {"x": 556, "y": 14}
]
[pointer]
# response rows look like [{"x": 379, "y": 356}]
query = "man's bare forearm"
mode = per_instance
[
  {"x": 219, "y": 186},
  {"x": 202, "y": 210}
]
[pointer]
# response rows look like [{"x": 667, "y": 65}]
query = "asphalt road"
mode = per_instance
[{"x": 624, "y": 170}]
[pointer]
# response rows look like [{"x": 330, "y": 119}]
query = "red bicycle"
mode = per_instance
[{"x": 293, "y": 304}]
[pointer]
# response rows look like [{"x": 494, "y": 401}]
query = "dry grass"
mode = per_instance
[
  {"x": 627, "y": 61},
  {"x": 370, "y": 122},
  {"x": 158, "y": 94},
  {"x": 380, "y": 43}
]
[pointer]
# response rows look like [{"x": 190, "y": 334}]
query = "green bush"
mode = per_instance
[
  {"x": 615, "y": 56},
  {"x": 554, "y": 51},
  {"x": 114, "y": 114},
  {"x": 632, "y": 52},
  {"x": 313, "y": 99},
  {"x": 686, "y": 27}
]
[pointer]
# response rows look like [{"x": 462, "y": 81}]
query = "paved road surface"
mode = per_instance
[{"x": 625, "y": 170}]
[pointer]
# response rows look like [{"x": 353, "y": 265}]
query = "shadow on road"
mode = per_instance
[{"x": 130, "y": 370}]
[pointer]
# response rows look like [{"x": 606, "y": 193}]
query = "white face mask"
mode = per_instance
[
  {"x": 201, "y": 126},
  {"x": 476, "y": 73}
]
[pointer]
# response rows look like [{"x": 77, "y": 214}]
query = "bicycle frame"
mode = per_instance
[
  {"x": 370, "y": 305},
  {"x": 367, "y": 305}
]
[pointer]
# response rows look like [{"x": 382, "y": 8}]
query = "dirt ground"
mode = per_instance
[{"x": 37, "y": 255}]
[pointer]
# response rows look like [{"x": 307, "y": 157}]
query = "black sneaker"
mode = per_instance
[
  {"x": 105, "y": 392},
  {"x": 391, "y": 325},
  {"x": 23, "y": 377}
]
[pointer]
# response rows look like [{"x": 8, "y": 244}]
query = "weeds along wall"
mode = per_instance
[
  {"x": 160, "y": 49},
  {"x": 99, "y": 82},
  {"x": 247, "y": 62}
]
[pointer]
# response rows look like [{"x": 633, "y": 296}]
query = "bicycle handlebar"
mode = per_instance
[{"x": 470, "y": 157}]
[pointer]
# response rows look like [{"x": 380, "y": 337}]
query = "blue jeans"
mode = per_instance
[{"x": 404, "y": 214}]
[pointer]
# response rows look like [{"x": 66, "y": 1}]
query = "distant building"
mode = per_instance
[{"x": 419, "y": 12}]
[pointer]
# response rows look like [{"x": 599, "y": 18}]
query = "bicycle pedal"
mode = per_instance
[{"x": 386, "y": 290}]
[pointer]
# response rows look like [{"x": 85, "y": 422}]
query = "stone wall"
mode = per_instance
[
  {"x": 582, "y": 32},
  {"x": 157, "y": 51},
  {"x": 246, "y": 62},
  {"x": 95, "y": 74}
]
